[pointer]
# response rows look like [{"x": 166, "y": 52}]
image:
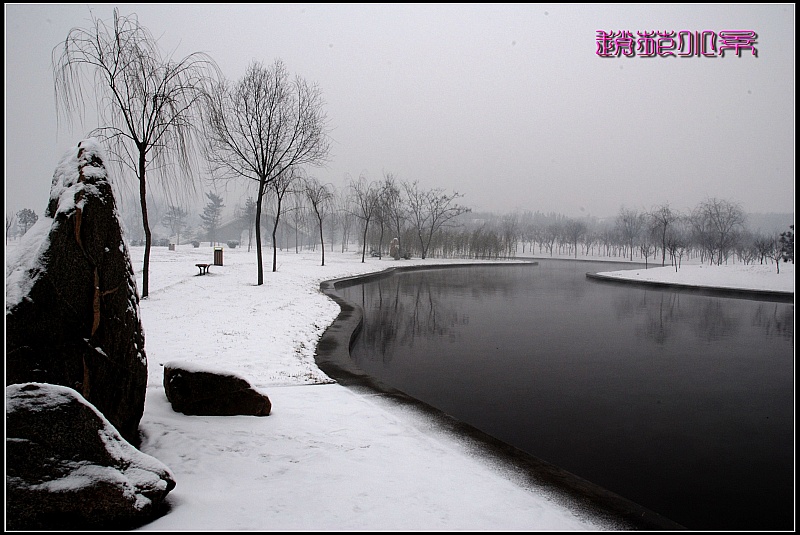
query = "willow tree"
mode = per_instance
[
  {"x": 148, "y": 105},
  {"x": 264, "y": 125}
]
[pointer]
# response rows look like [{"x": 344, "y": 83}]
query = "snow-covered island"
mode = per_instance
[
  {"x": 761, "y": 277},
  {"x": 327, "y": 457}
]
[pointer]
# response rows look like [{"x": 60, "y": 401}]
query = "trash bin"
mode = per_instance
[
  {"x": 171, "y": 246},
  {"x": 217, "y": 256}
]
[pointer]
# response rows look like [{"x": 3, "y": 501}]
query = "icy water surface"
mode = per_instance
[{"x": 680, "y": 402}]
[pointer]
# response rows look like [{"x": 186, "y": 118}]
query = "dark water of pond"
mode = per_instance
[{"x": 683, "y": 403}]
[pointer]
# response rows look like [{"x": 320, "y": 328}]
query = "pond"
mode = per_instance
[{"x": 680, "y": 402}]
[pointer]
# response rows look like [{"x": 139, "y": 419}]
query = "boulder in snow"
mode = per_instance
[
  {"x": 72, "y": 309},
  {"x": 206, "y": 393},
  {"x": 68, "y": 468}
]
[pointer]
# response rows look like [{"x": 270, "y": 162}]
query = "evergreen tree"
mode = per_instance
[
  {"x": 211, "y": 216},
  {"x": 787, "y": 244},
  {"x": 27, "y": 218}
]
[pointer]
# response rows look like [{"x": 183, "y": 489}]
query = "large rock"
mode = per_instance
[
  {"x": 209, "y": 393},
  {"x": 68, "y": 468},
  {"x": 72, "y": 310}
]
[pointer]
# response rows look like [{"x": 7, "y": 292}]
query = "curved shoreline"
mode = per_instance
[
  {"x": 737, "y": 293},
  {"x": 333, "y": 357}
]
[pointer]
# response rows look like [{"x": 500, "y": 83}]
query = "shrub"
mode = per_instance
[
  {"x": 196, "y": 244},
  {"x": 232, "y": 244}
]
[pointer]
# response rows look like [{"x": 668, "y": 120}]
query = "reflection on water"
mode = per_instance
[
  {"x": 774, "y": 320},
  {"x": 404, "y": 313},
  {"x": 681, "y": 402},
  {"x": 713, "y": 321},
  {"x": 659, "y": 315}
]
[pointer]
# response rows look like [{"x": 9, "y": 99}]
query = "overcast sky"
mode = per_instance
[{"x": 509, "y": 104}]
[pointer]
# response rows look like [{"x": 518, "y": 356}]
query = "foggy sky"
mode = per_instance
[{"x": 508, "y": 104}]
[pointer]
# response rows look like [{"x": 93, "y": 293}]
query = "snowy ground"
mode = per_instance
[{"x": 327, "y": 458}]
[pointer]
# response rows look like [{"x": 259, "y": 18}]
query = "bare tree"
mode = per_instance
[
  {"x": 249, "y": 218},
  {"x": 280, "y": 186},
  {"x": 762, "y": 245},
  {"x": 719, "y": 222},
  {"x": 382, "y": 215},
  {"x": 745, "y": 249},
  {"x": 395, "y": 207},
  {"x": 345, "y": 217},
  {"x": 573, "y": 231},
  {"x": 148, "y": 104},
  {"x": 299, "y": 212},
  {"x": 661, "y": 219},
  {"x": 780, "y": 247},
  {"x": 511, "y": 232},
  {"x": 10, "y": 220},
  {"x": 630, "y": 224},
  {"x": 678, "y": 240},
  {"x": 776, "y": 252},
  {"x": 320, "y": 197},
  {"x": 175, "y": 220},
  {"x": 264, "y": 125},
  {"x": 430, "y": 211},
  {"x": 646, "y": 247},
  {"x": 365, "y": 202}
]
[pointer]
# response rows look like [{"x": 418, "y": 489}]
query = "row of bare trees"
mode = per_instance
[
  {"x": 715, "y": 231},
  {"x": 399, "y": 208},
  {"x": 377, "y": 211},
  {"x": 371, "y": 214}
]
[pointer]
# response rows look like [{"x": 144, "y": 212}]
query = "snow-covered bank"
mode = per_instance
[
  {"x": 734, "y": 276},
  {"x": 326, "y": 458}
]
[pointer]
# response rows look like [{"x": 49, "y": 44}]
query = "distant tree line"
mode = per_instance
[
  {"x": 304, "y": 214},
  {"x": 268, "y": 128}
]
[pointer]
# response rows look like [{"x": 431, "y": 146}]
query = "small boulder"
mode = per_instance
[
  {"x": 67, "y": 467},
  {"x": 210, "y": 393}
]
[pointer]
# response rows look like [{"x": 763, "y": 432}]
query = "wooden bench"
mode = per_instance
[{"x": 203, "y": 268}]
